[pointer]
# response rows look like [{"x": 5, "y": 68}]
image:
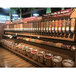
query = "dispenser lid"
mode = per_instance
[
  {"x": 68, "y": 63},
  {"x": 57, "y": 58}
]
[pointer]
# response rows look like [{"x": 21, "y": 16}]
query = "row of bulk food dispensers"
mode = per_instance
[{"x": 57, "y": 25}]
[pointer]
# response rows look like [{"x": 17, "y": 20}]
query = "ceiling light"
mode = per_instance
[
  {"x": 36, "y": 14},
  {"x": 14, "y": 15}
]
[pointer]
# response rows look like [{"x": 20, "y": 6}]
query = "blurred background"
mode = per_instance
[{"x": 10, "y": 14}]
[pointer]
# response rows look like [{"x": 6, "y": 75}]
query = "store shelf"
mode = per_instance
[
  {"x": 25, "y": 57},
  {"x": 42, "y": 42},
  {"x": 54, "y": 50},
  {"x": 59, "y": 38}
]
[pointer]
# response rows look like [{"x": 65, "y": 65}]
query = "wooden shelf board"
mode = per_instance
[{"x": 59, "y": 38}]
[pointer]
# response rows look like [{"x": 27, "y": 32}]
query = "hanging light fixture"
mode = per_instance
[{"x": 36, "y": 14}]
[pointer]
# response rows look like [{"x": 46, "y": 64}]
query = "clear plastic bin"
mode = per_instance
[
  {"x": 24, "y": 50},
  {"x": 67, "y": 63},
  {"x": 28, "y": 52},
  {"x": 56, "y": 61},
  {"x": 34, "y": 54},
  {"x": 40, "y": 56},
  {"x": 47, "y": 59}
]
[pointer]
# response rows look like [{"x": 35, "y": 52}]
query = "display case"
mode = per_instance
[{"x": 54, "y": 32}]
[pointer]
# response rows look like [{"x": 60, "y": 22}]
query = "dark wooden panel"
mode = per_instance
[{"x": 1, "y": 30}]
